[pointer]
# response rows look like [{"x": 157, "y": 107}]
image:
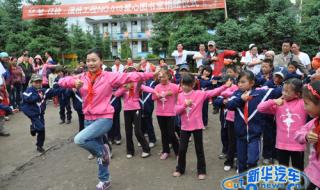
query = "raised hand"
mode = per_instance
[
  {"x": 78, "y": 84},
  {"x": 279, "y": 101},
  {"x": 312, "y": 137}
]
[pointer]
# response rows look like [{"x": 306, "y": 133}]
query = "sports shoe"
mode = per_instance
[
  {"x": 222, "y": 156},
  {"x": 176, "y": 174},
  {"x": 90, "y": 157},
  {"x": 139, "y": 145},
  {"x": 227, "y": 168},
  {"x": 118, "y": 142},
  {"x": 6, "y": 118},
  {"x": 164, "y": 156},
  {"x": 103, "y": 185},
  {"x": 145, "y": 154},
  {"x": 40, "y": 149},
  {"x": 201, "y": 176},
  {"x": 151, "y": 145},
  {"x": 68, "y": 122},
  {"x": 4, "y": 134},
  {"x": 129, "y": 156},
  {"x": 267, "y": 161}
]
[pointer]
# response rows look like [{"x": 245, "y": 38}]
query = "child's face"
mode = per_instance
[
  {"x": 37, "y": 84},
  {"x": 163, "y": 77},
  {"x": 245, "y": 84},
  {"x": 288, "y": 93},
  {"x": 266, "y": 69},
  {"x": 186, "y": 88},
  {"x": 231, "y": 73},
  {"x": 292, "y": 69},
  {"x": 277, "y": 80},
  {"x": 312, "y": 109},
  {"x": 206, "y": 73}
]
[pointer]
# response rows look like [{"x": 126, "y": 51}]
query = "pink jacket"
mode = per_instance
[
  {"x": 165, "y": 106},
  {"x": 227, "y": 94},
  {"x": 289, "y": 118},
  {"x": 191, "y": 117},
  {"x": 100, "y": 106},
  {"x": 45, "y": 67},
  {"x": 130, "y": 103},
  {"x": 313, "y": 168}
]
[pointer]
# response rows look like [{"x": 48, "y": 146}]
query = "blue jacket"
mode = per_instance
[
  {"x": 205, "y": 84},
  {"x": 116, "y": 102},
  {"x": 64, "y": 94},
  {"x": 293, "y": 75},
  {"x": 260, "y": 80},
  {"x": 146, "y": 102},
  {"x": 270, "y": 84},
  {"x": 33, "y": 104},
  {"x": 5, "y": 108},
  {"x": 76, "y": 101},
  {"x": 256, "y": 119}
]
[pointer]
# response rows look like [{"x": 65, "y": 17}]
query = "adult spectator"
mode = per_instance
[
  {"x": 25, "y": 53},
  {"x": 269, "y": 55},
  {"x": 117, "y": 67},
  {"x": 146, "y": 66},
  {"x": 200, "y": 56},
  {"x": 252, "y": 60},
  {"x": 304, "y": 58},
  {"x": 129, "y": 62},
  {"x": 285, "y": 57},
  {"x": 27, "y": 70},
  {"x": 215, "y": 58},
  {"x": 180, "y": 55}
]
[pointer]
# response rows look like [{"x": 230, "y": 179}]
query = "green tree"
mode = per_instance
[{"x": 125, "y": 50}]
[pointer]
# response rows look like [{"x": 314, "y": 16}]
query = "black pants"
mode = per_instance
[
  {"x": 133, "y": 117},
  {"x": 15, "y": 95},
  {"x": 231, "y": 144},
  {"x": 205, "y": 109},
  {"x": 224, "y": 133},
  {"x": 65, "y": 105},
  {"x": 297, "y": 158},
  {"x": 167, "y": 125},
  {"x": 147, "y": 127},
  {"x": 38, "y": 125},
  {"x": 269, "y": 141},
  {"x": 198, "y": 143},
  {"x": 81, "y": 120},
  {"x": 114, "y": 133},
  {"x": 312, "y": 186}
]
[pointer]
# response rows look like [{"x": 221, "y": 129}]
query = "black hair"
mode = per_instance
[
  {"x": 293, "y": 63},
  {"x": 232, "y": 67},
  {"x": 269, "y": 61},
  {"x": 130, "y": 69},
  {"x": 296, "y": 84},
  {"x": 167, "y": 71},
  {"x": 162, "y": 59},
  {"x": 207, "y": 68},
  {"x": 49, "y": 52},
  {"x": 248, "y": 74},
  {"x": 287, "y": 40},
  {"x": 307, "y": 94},
  {"x": 298, "y": 44},
  {"x": 117, "y": 58},
  {"x": 187, "y": 79},
  {"x": 95, "y": 51},
  {"x": 108, "y": 69}
]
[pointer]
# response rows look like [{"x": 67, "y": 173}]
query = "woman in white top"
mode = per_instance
[
  {"x": 199, "y": 56},
  {"x": 252, "y": 59},
  {"x": 180, "y": 55}
]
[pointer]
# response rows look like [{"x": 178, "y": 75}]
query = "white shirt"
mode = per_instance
[
  {"x": 182, "y": 59},
  {"x": 2, "y": 69},
  {"x": 198, "y": 59},
  {"x": 121, "y": 68},
  {"x": 305, "y": 60},
  {"x": 250, "y": 58}
]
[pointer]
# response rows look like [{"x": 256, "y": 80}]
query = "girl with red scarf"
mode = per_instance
[{"x": 95, "y": 87}]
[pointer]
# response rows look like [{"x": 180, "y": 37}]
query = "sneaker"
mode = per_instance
[
  {"x": 201, "y": 176},
  {"x": 129, "y": 156},
  {"x": 61, "y": 122},
  {"x": 106, "y": 157},
  {"x": 267, "y": 161},
  {"x": 145, "y": 154},
  {"x": 222, "y": 156},
  {"x": 6, "y": 118},
  {"x": 103, "y": 185},
  {"x": 40, "y": 149},
  {"x": 139, "y": 145},
  {"x": 90, "y": 157},
  {"x": 68, "y": 122},
  {"x": 176, "y": 174},
  {"x": 227, "y": 168},
  {"x": 118, "y": 142},
  {"x": 151, "y": 145},
  {"x": 164, "y": 156},
  {"x": 4, "y": 134},
  {"x": 145, "y": 135}
]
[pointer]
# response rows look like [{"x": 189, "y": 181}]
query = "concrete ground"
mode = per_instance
[{"x": 65, "y": 166}]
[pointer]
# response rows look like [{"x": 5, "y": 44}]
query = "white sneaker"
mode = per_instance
[
  {"x": 227, "y": 168},
  {"x": 139, "y": 145},
  {"x": 90, "y": 157},
  {"x": 151, "y": 145},
  {"x": 129, "y": 156},
  {"x": 6, "y": 118},
  {"x": 145, "y": 154},
  {"x": 118, "y": 142},
  {"x": 145, "y": 135}
]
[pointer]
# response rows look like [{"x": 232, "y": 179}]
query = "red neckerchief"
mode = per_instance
[
  {"x": 131, "y": 91},
  {"x": 316, "y": 130},
  {"x": 246, "y": 110},
  {"x": 117, "y": 67},
  {"x": 92, "y": 78}
]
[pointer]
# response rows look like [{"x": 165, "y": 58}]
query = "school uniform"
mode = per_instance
[
  {"x": 77, "y": 105},
  {"x": 115, "y": 134},
  {"x": 64, "y": 101},
  {"x": 248, "y": 127}
]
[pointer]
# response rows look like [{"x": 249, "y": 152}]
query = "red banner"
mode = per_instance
[{"x": 118, "y": 8}]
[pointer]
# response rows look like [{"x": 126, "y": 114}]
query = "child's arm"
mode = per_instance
[
  {"x": 269, "y": 107},
  {"x": 217, "y": 91},
  {"x": 118, "y": 79},
  {"x": 302, "y": 135},
  {"x": 147, "y": 89},
  {"x": 228, "y": 92},
  {"x": 120, "y": 91},
  {"x": 68, "y": 82},
  {"x": 218, "y": 102},
  {"x": 181, "y": 106},
  {"x": 7, "y": 109},
  {"x": 235, "y": 101}
]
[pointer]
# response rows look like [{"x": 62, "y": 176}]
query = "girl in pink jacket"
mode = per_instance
[
  {"x": 290, "y": 116},
  {"x": 310, "y": 133},
  {"x": 189, "y": 107},
  {"x": 132, "y": 116},
  {"x": 95, "y": 87},
  {"x": 165, "y": 96}
]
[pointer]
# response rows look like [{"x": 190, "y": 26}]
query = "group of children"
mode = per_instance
[{"x": 275, "y": 105}]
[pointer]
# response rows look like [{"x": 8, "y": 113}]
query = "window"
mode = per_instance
[
  {"x": 105, "y": 27},
  {"x": 144, "y": 47},
  {"x": 144, "y": 25},
  {"x": 135, "y": 26},
  {"x": 123, "y": 27},
  {"x": 115, "y": 28}
]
